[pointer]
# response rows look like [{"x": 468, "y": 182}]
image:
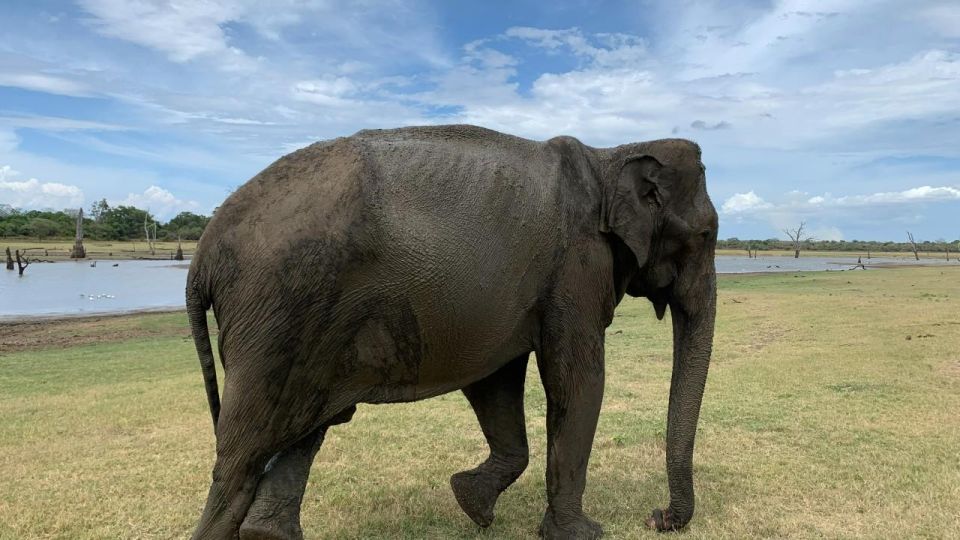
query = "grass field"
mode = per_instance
[
  {"x": 57, "y": 250},
  {"x": 831, "y": 411}
]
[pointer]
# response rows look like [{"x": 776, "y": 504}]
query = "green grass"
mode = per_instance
[{"x": 821, "y": 419}]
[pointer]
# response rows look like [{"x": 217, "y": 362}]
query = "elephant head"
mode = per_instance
[{"x": 656, "y": 206}]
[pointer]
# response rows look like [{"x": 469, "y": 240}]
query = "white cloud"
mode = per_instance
[
  {"x": 327, "y": 92},
  {"x": 159, "y": 201},
  {"x": 191, "y": 31},
  {"x": 487, "y": 57},
  {"x": 740, "y": 203},
  {"x": 797, "y": 201},
  {"x": 612, "y": 50},
  {"x": 927, "y": 84},
  {"x": 40, "y": 82},
  {"x": 33, "y": 193},
  {"x": 825, "y": 211},
  {"x": 181, "y": 30},
  {"x": 54, "y": 123},
  {"x": 913, "y": 195}
]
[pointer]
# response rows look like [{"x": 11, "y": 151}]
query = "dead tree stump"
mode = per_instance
[
  {"x": 179, "y": 255},
  {"x": 78, "y": 252}
]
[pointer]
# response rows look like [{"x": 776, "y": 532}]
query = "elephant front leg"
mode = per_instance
[
  {"x": 498, "y": 402},
  {"x": 572, "y": 376}
]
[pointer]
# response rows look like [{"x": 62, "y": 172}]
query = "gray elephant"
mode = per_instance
[{"x": 398, "y": 265}]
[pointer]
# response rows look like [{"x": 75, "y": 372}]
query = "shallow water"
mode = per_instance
[
  {"x": 75, "y": 288},
  {"x": 738, "y": 265}
]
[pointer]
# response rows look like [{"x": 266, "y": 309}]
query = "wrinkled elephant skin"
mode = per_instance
[{"x": 398, "y": 265}]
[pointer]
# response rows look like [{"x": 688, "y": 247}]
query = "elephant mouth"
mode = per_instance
[{"x": 659, "y": 297}]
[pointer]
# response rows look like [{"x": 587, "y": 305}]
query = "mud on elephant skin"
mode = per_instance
[{"x": 398, "y": 265}]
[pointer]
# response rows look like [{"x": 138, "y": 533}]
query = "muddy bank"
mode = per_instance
[{"x": 38, "y": 333}]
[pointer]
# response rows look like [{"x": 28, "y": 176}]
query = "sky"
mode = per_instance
[{"x": 843, "y": 114}]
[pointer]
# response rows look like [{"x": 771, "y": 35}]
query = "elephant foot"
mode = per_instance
[
  {"x": 272, "y": 519},
  {"x": 476, "y": 493},
  {"x": 575, "y": 528},
  {"x": 663, "y": 520}
]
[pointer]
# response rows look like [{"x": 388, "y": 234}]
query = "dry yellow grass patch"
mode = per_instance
[{"x": 58, "y": 250}]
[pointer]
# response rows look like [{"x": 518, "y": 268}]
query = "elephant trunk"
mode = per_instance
[{"x": 693, "y": 314}]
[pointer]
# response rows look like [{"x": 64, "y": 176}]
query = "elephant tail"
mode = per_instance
[{"x": 197, "y": 305}]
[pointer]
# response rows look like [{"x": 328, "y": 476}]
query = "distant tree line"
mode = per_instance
[
  {"x": 102, "y": 222},
  {"x": 775, "y": 244}
]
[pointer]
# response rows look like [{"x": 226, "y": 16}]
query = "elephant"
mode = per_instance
[{"x": 401, "y": 264}]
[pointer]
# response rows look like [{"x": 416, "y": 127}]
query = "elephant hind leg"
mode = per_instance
[
  {"x": 497, "y": 401},
  {"x": 242, "y": 452},
  {"x": 257, "y": 421},
  {"x": 275, "y": 512}
]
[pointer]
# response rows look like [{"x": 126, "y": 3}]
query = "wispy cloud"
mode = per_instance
[
  {"x": 56, "y": 124},
  {"x": 41, "y": 82},
  {"x": 181, "y": 30}
]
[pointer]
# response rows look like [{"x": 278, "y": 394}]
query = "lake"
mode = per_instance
[{"x": 76, "y": 288}]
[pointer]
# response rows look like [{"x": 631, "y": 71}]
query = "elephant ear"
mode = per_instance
[{"x": 632, "y": 202}]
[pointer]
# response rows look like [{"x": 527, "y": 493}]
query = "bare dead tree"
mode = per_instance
[
  {"x": 78, "y": 252},
  {"x": 797, "y": 237},
  {"x": 913, "y": 245},
  {"x": 146, "y": 231},
  {"x": 9, "y": 260},
  {"x": 22, "y": 262}
]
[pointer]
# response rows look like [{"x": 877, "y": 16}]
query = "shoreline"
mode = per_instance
[
  {"x": 7, "y": 321},
  {"x": 926, "y": 259},
  {"x": 15, "y": 320}
]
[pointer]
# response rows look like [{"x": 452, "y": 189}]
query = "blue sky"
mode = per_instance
[{"x": 841, "y": 113}]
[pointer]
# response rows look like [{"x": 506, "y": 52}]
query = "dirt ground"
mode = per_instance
[{"x": 47, "y": 333}]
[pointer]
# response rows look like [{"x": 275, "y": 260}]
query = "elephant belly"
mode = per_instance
[{"x": 404, "y": 357}]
